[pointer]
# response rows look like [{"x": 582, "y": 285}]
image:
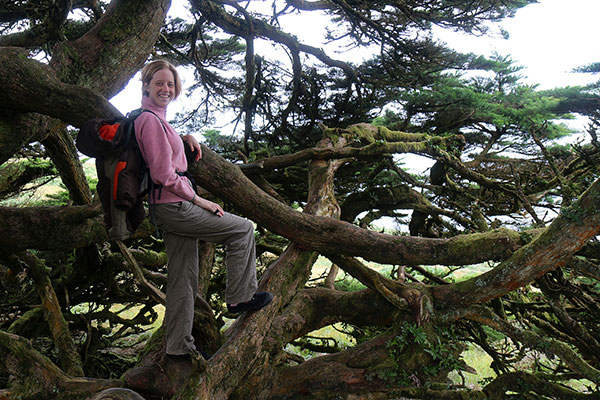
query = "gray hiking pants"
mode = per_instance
[{"x": 183, "y": 224}]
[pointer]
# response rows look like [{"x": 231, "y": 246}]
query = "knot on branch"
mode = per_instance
[{"x": 420, "y": 303}]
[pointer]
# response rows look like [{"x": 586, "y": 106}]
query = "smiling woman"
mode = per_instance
[{"x": 185, "y": 217}]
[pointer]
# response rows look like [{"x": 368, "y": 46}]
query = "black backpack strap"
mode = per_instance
[{"x": 141, "y": 110}]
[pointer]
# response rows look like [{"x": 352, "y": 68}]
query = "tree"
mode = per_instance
[{"x": 315, "y": 164}]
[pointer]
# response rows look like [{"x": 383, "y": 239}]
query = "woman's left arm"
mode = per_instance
[{"x": 194, "y": 145}]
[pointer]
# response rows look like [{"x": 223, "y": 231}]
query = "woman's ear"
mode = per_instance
[{"x": 144, "y": 91}]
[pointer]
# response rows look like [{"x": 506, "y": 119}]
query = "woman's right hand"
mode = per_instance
[{"x": 208, "y": 205}]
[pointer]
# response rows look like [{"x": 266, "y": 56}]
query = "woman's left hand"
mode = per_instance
[{"x": 194, "y": 145}]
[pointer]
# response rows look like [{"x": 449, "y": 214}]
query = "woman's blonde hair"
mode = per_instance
[{"x": 153, "y": 67}]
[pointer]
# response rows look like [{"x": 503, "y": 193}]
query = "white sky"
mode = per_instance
[{"x": 549, "y": 39}]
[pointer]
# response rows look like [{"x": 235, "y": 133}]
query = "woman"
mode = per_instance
[{"x": 185, "y": 217}]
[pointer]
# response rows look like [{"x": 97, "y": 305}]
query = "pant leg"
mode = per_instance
[
  {"x": 241, "y": 262},
  {"x": 236, "y": 233},
  {"x": 182, "y": 286}
]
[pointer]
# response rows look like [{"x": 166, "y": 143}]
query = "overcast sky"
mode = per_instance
[{"x": 549, "y": 39}]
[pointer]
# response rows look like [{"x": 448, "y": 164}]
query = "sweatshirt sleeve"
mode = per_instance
[{"x": 163, "y": 152}]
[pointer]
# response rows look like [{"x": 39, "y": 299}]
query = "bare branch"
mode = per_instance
[{"x": 135, "y": 269}]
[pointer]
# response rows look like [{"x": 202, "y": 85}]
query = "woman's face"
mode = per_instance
[{"x": 161, "y": 89}]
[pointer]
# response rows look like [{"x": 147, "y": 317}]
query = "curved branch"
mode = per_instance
[
  {"x": 312, "y": 309},
  {"x": 397, "y": 293},
  {"x": 400, "y": 142},
  {"x": 247, "y": 100},
  {"x": 109, "y": 54},
  {"x": 296, "y": 77},
  {"x": 63, "y": 153},
  {"x": 345, "y": 372},
  {"x": 396, "y": 197},
  {"x": 152, "y": 291},
  {"x": 553, "y": 248}
]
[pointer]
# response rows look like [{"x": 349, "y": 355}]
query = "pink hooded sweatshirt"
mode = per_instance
[{"x": 164, "y": 153}]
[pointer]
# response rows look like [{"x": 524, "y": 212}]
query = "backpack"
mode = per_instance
[{"x": 123, "y": 175}]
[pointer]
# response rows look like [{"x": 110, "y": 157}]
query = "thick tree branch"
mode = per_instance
[
  {"x": 312, "y": 309},
  {"x": 358, "y": 371},
  {"x": 397, "y": 293},
  {"x": 31, "y": 86},
  {"x": 381, "y": 141},
  {"x": 50, "y": 228},
  {"x": 64, "y": 155},
  {"x": 56, "y": 228},
  {"x": 109, "y": 54},
  {"x": 345, "y": 372},
  {"x": 36, "y": 36},
  {"x": 313, "y": 232},
  {"x": 393, "y": 198},
  {"x": 523, "y": 382}
]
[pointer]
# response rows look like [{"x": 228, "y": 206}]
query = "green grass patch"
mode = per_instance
[{"x": 480, "y": 361}]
